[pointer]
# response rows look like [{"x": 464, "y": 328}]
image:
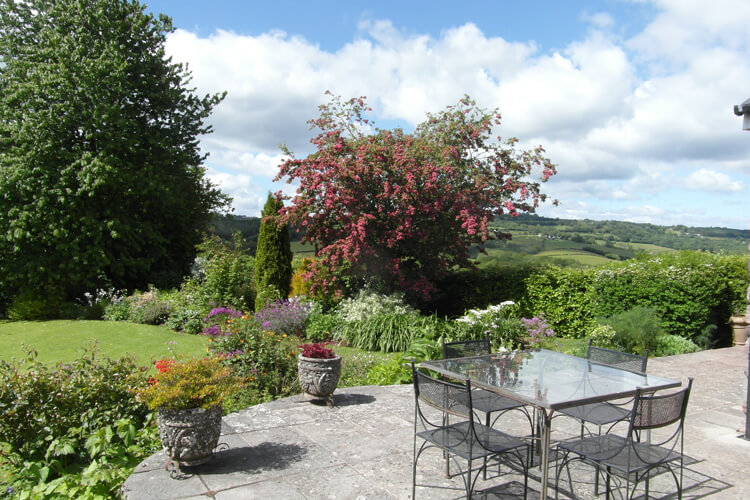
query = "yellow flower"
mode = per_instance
[{"x": 283, "y": 335}]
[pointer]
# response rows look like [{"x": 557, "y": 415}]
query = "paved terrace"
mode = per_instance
[{"x": 362, "y": 448}]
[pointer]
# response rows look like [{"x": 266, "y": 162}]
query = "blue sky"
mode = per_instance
[{"x": 632, "y": 99}]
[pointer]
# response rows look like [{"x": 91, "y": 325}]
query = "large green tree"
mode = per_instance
[
  {"x": 273, "y": 257},
  {"x": 101, "y": 176}
]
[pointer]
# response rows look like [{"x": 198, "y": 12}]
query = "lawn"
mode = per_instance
[{"x": 64, "y": 340}]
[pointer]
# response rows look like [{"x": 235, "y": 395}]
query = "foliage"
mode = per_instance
[
  {"x": 218, "y": 321},
  {"x": 31, "y": 305},
  {"x": 405, "y": 208},
  {"x": 602, "y": 336},
  {"x": 669, "y": 345},
  {"x": 100, "y": 166},
  {"x": 285, "y": 316},
  {"x": 273, "y": 257},
  {"x": 391, "y": 372},
  {"x": 321, "y": 326},
  {"x": 537, "y": 329},
  {"x": 386, "y": 332},
  {"x": 72, "y": 427},
  {"x": 368, "y": 303},
  {"x": 192, "y": 383},
  {"x": 688, "y": 290},
  {"x": 635, "y": 329},
  {"x": 499, "y": 321},
  {"x": 146, "y": 308},
  {"x": 478, "y": 288},
  {"x": 224, "y": 278},
  {"x": 564, "y": 296},
  {"x": 268, "y": 362},
  {"x": 317, "y": 350}
]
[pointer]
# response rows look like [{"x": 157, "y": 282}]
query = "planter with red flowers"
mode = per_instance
[
  {"x": 318, "y": 369},
  {"x": 188, "y": 396}
]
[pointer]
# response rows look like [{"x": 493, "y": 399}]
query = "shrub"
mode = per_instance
[
  {"x": 285, "y": 316},
  {"x": 266, "y": 359},
  {"x": 321, "y": 326},
  {"x": 564, "y": 296},
  {"x": 499, "y": 321},
  {"x": 33, "y": 305},
  {"x": 669, "y": 345},
  {"x": 118, "y": 309},
  {"x": 73, "y": 427},
  {"x": 636, "y": 329},
  {"x": 391, "y": 372},
  {"x": 369, "y": 303},
  {"x": 602, "y": 336}
]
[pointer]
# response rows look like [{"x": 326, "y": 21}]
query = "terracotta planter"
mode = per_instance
[
  {"x": 739, "y": 329},
  {"x": 190, "y": 436},
  {"x": 319, "y": 377}
]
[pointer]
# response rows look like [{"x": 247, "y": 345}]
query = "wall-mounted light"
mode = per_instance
[{"x": 743, "y": 110}]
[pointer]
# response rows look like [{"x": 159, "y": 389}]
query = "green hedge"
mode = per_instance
[
  {"x": 563, "y": 294},
  {"x": 689, "y": 290}
]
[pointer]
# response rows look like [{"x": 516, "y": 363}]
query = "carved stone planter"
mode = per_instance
[
  {"x": 319, "y": 377},
  {"x": 739, "y": 329},
  {"x": 190, "y": 436}
]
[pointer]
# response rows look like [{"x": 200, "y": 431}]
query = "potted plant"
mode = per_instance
[
  {"x": 188, "y": 396},
  {"x": 318, "y": 369}
]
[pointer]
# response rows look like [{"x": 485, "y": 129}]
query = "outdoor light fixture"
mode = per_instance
[{"x": 743, "y": 110}]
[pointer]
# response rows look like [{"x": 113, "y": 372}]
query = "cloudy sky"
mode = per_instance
[{"x": 632, "y": 99}]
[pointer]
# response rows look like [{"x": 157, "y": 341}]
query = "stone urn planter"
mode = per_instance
[
  {"x": 189, "y": 436},
  {"x": 739, "y": 329},
  {"x": 319, "y": 376}
]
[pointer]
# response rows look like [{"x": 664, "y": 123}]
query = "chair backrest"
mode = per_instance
[
  {"x": 445, "y": 396},
  {"x": 632, "y": 362},
  {"x": 464, "y": 348},
  {"x": 652, "y": 411}
]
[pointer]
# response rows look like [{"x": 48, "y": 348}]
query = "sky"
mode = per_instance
[{"x": 631, "y": 99}]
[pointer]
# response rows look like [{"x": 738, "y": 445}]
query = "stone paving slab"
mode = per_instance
[{"x": 294, "y": 448}]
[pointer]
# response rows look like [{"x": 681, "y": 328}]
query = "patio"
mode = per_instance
[{"x": 362, "y": 448}]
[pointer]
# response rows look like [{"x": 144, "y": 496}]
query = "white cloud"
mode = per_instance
[
  {"x": 615, "y": 116},
  {"x": 710, "y": 180}
]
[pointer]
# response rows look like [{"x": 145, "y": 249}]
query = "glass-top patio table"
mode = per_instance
[{"x": 549, "y": 381}]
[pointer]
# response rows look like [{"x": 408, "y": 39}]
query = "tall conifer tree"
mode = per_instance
[{"x": 273, "y": 257}]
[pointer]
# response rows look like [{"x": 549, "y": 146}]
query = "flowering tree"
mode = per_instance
[{"x": 405, "y": 208}]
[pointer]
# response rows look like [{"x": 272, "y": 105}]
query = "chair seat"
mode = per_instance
[
  {"x": 488, "y": 401},
  {"x": 614, "y": 451},
  {"x": 456, "y": 438},
  {"x": 597, "y": 413}
]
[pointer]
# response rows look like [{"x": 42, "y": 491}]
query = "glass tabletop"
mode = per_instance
[{"x": 548, "y": 379}]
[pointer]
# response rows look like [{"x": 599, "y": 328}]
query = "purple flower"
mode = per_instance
[{"x": 223, "y": 310}]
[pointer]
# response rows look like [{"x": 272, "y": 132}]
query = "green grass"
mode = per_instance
[{"x": 64, "y": 340}]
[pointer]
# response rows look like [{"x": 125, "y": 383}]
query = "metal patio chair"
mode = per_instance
[
  {"x": 626, "y": 457},
  {"x": 485, "y": 401},
  {"x": 605, "y": 413},
  {"x": 466, "y": 440}
]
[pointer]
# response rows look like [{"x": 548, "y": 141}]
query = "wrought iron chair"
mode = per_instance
[
  {"x": 467, "y": 439},
  {"x": 626, "y": 457},
  {"x": 485, "y": 401},
  {"x": 605, "y": 413}
]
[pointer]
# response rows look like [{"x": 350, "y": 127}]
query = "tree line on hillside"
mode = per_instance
[{"x": 679, "y": 237}]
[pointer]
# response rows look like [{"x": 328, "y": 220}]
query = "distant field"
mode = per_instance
[
  {"x": 648, "y": 247},
  {"x": 585, "y": 258},
  {"x": 64, "y": 340},
  {"x": 300, "y": 249}
]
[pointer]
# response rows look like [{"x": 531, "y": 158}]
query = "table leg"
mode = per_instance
[{"x": 545, "y": 438}]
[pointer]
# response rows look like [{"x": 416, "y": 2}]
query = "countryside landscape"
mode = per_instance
[{"x": 138, "y": 313}]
